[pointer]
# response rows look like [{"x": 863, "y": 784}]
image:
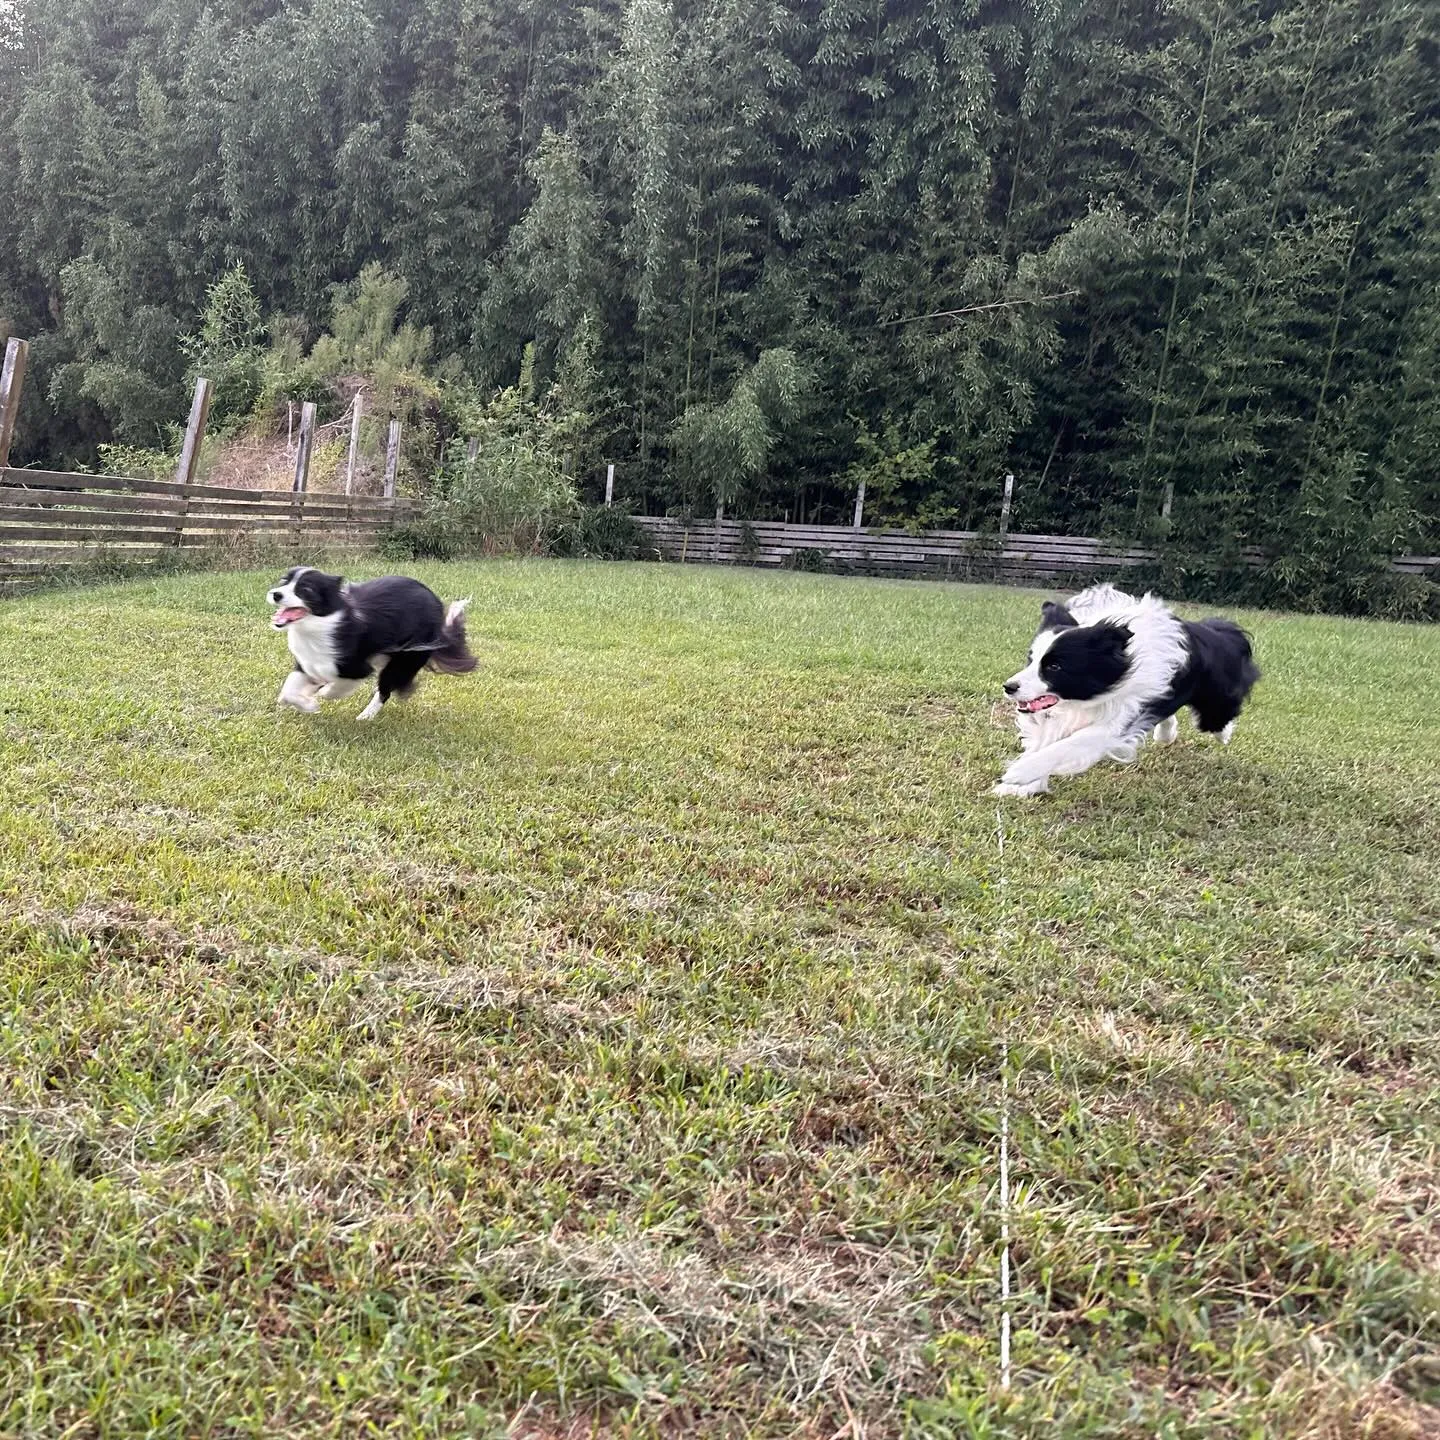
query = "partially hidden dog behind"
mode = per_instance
[
  {"x": 1106, "y": 669},
  {"x": 341, "y": 634}
]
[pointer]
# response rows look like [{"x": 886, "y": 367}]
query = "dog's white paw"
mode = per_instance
[
  {"x": 1228, "y": 733},
  {"x": 1167, "y": 731},
  {"x": 1037, "y": 787},
  {"x": 371, "y": 710},
  {"x": 1028, "y": 770},
  {"x": 298, "y": 692}
]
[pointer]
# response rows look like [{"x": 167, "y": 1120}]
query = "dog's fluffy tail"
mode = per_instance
[{"x": 452, "y": 656}]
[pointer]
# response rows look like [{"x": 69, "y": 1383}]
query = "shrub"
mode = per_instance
[
  {"x": 137, "y": 461},
  {"x": 600, "y": 532},
  {"x": 720, "y": 448},
  {"x": 809, "y": 560},
  {"x": 228, "y": 349},
  {"x": 514, "y": 495}
]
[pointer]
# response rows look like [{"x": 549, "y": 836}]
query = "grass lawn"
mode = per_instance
[{"x": 612, "y": 1041}]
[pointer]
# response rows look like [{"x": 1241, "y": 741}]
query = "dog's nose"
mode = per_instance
[{"x": 1011, "y": 686}]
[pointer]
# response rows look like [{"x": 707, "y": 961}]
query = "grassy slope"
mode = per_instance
[{"x": 617, "y": 1032}]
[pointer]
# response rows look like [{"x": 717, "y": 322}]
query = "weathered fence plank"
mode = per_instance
[
  {"x": 143, "y": 485},
  {"x": 194, "y": 434},
  {"x": 194, "y": 439}
]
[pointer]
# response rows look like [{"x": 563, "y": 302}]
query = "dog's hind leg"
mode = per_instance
[
  {"x": 397, "y": 678},
  {"x": 1167, "y": 730},
  {"x": 1218, "y": 718},
  {"x": 340, "y": 689}
]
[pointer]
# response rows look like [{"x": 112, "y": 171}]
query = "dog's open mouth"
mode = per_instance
[
  {"x": 288, "y": 615},
  {"x": 1040, "y": 702}
]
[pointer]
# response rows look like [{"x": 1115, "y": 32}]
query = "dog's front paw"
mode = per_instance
[
  {"x": 1027, "y": 770},
  {"x": 298, "y": 692},
  {"x": 1037, "y": 787}
]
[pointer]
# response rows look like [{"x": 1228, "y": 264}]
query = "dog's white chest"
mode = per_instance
[{"x": 312, "y": 643}]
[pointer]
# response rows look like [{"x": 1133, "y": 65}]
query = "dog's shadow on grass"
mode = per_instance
[
  {"x": 418, "y": 737},
  {"x": 1202, "y": 800}
]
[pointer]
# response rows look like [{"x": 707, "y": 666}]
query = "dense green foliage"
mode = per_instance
[
  {"x": 507, "y": 487},
  {"x": 1191, "y": 247}
]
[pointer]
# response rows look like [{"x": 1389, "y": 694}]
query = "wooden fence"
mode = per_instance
[
  {"x": 50, "y": 522},
  {"x": 935, "y": 554}
]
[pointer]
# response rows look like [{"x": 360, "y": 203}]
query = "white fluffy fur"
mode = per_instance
[
  {"x": 299, "y": 692},
  {"x": 312, "y": 643},
  {"x": 1073, "y": 735},
  {"x": 311, "y": 639}
]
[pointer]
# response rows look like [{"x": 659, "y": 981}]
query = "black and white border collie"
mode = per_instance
[
  {"x": 341, "y": 634},
  {"x": 1106, "y": 670}
]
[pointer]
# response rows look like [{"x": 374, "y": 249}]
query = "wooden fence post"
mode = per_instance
[
  {"x": 609, "y": 485},
  {"x": 302, "y": 448},
  {"x": 190, "y": 450},
  {"x": 1005, "y": 506},
  {"x": 12, "y": 378},
  {"x": 1168, "y": 500},
  {"x": 356, "y": 410},
  {"x": 859, "y": 507},
  {"x": 472, "y": 453},
  {"x": 194, "y": 433},
  {"x": 392, "y": 457}
]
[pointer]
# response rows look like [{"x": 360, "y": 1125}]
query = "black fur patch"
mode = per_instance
[
  {"x": 320, "y": 594},
  {"x": 1215, "y": 680},
  {"x": 1085, "y": 661},
  {"x": 1054, "y": 616}
]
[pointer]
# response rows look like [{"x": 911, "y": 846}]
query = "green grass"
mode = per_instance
[{"x": 612, "y": 1041}]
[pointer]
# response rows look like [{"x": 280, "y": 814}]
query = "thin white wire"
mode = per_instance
[{"x": 1004, "y": 1153}]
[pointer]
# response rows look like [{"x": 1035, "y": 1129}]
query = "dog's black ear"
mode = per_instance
[
  {"x": 1054, "y": 616},
  {"x": 1109, "y": 639},
  {"x": 320, "y": 593}
]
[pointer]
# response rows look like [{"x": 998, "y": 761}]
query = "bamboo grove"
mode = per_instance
[{"x": 1125, "y": 251}]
